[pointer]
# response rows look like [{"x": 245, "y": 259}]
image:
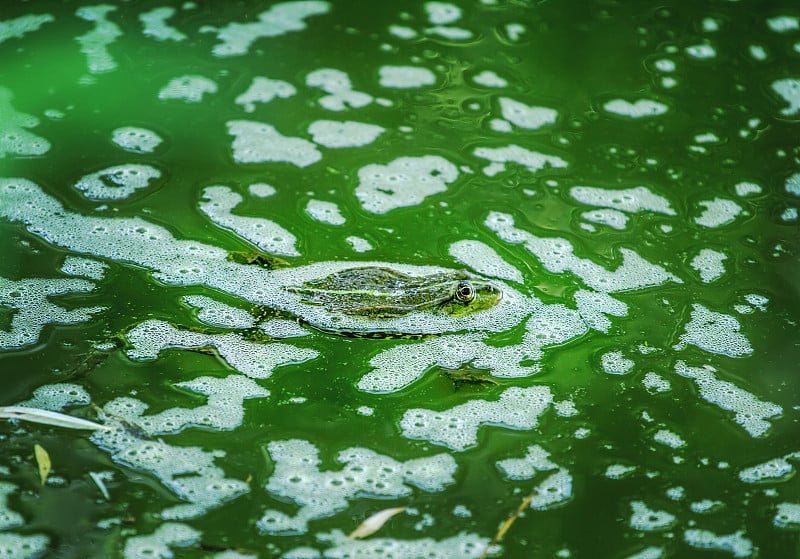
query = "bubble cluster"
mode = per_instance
[
  {"x": 344, "y": 134},
  {"x": 33, "y": 310},
  {"x": 787, "y": 515},
  {"x": 14, "y": 138},
  {"x": 554, "y": 491},
  {"x": 297, "y": 476},
  {"x": 718, "y": 212},
  {"x": 337, "y": 85},
  {"x": 155, "y": 25},
  {"x": 457, "y": 427},
  {"x": 641, "y": 108},
  {"x": 257, "y": 142},
  {"x": 215, "y": 313},
  {"x": 709, "y": 264},
  {"x": 189, "y": 88},
  {"x": 669, "y": 438},
  {"x": 405, "y": 77},
  {"x": 593, "y": 307},
  {"x": 532, "y": 160},
  {"x": 487, "y": 78},
  {"x": 614, "y": 363},
  {"x": 655, "y": 383},
  {"x": 264, "y": 90},
  {"x": 619, "y": 471},
  {"x": 282, "y": 328},
  {"x": 651, "y": 552},
  {"x": 160, "y": 542},
  {"x": 57, "y": 397},
  {"x": 537, "y": 459},
  {"x": 647, "y": 520},
  {"x": 612, "y": 218},
  {"x": 524, "y": 116},
  {"x": 706, "y": 506},
  {"x": 136, "y": 140},
  {"x": 359, "y": 244},
  {"x": 715, "y": 333},
  {"x": 630, "y": 200},
  {"x": 406, "y": 181},
  {"x": 218, "y": 203},
  {"x": 281, "y": 18},
  {"x": 94, "y": 43},
  {"x": 735, "y": 543},
  {"x": 17, "y": 546},
  {"x": 117, "y": 182},
  {"x": 86, "y": 267},
  {"x": 20, "y": 26},
  {"x": 151, "y": 337},
  {"x": 789, "y": 90},
  {"x": 747, "y": 189},
  {"x": 325, "y": 212},
  {"x": 777, "y": 469},
  {"x": 484, "y": 259}
]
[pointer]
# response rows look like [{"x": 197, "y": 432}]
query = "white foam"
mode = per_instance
[
  {"x": 403, "y": 32},
  {"x": 514, "y": 31},
  {"x": 612, "y": 218},
  {"x": 556, "y": 255},
  {"x": 442, "y": 13},
  {"x": 33, "y": 310},
  {"x": 706, "y": 506},
  {"x": 593, "y": 307},
  {"x": 619, "y": 471},
  {"x": 533, "y": 161},
  {"x": 789, "y": 90},
  {"x": 18, "y": 546},
  {"x": 655, "y": 383},
  {"x": 264, "y": 90},
  {"x": 630, "y": 200},
  {"x": 709, "y": 264},
  {"x": 341, "y": 94},
  {"x": 406, "y": 181},
  {"x": 189, "y": 88},
  {"x": 218, "y": 203},
  {"x": 325, "y": 212},
  {"x": 751, "y": 413},
  {"x": 614, "y": 363},
  {"x": 94, "y": 43},
  {"x": 457, "y": 427},
  {"x": 524, "y": 116},
  {"x": 405, "y": 77},
  {"x": 783, "y": 23},
  {"x": 150, "y": 337},
  {"x": 297, "y": 477},
  {"x": 283, "y": 328},
  {"x": 777, "y": 469},
  {"x": 787, "y": 515},
  {"x": 537, "y": 459},
  {"x": 337, "y": 134},
  {"x": 85, "y": 267},
  {"x": 359, "y": 244},
  {"x": 117, "y": 182},
  {"x": 789, "y": 214},
  {"x": 647, "y": 520},
  {"x": 500, "y": 125},
  {"x": 57, "y": 397},
  {"x": 718, "y": 212},
  {"x": 8, "y": 518},
  {"x": 257, "y": 142},
  {"x": 261, "y": 190},
  {"x": 715, "y": 333},
  {"x": 461, "y": 546},
  {"x": 734, "y": 543},
  {"x": 642, "y": 108},
  {"x": 136, "y": 140},
  {"x": 701, "y": 52},
  {"x": 758, "y": 301},
  {"x": 651, "y": 552},
  {"x": 484, "y": 259},
  {"x": 156, "y": 26},
  {"x": 284, "y": 17},
  {"x": 669, "y": 438},
  {"x": 20, "y": 26},
  {"x": 554, "y": 491},
  {"x": 487, "y": 78},
  {"x": 14, "y": 138},
  {"x": 450, "y": 33},
  {"x": 792, "y": 185},
  {"x": 161, "y": 542},
  {"x": 216, "y": 313}
]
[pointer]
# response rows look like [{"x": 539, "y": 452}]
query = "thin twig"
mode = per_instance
[{"x": 507, "y": 523}]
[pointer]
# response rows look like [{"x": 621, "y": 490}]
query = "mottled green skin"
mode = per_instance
[{"x": 378, "y": 292}]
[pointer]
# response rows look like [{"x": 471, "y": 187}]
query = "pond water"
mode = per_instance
[{"x": 175, "y": 175}]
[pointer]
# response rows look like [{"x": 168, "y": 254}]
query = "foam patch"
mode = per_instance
[
  {"x": 117, "y": 182},
  {"x": 136, "y": 140},
  {"x": 263, "y": 90},
  {"x": 337, "y": 85},
  {"x": 484, "y": 259},
  {"x": 190, "y": 88},
  {"x": 777, "y": 469},
  {"x": 715, "y": 333},
  {"x": 612, "y": 218},
  {"x": 57, "y": 397},
  {"x": 709, "y": 264},
  {"x": 15, "y": 139},
  {"x": 94, "y": 43},
  {"x": 344, "y": 134},
  {"x": 736, "y": 543},
  {"x": 524, "y": 116},
  {"x": 405, "y": 77},
  {"x": 531, "y": 160},
  {"x": 20, "y": 26},
  {"x": 85, "y": 267},
  {"x": 593, "y": 308},
  {"x": 641, "y": 108},
  {"x": 461, "y": 546},
  {"x": 487, "y": 78},
  {"x": 257, "y": 142},
  {"x": 630, "y": 200},
  {"x": 161, "y": 542},
  {"x": 645, "y": 519},
  {"x": 787, "y": 515},
  {"x": 155, "y": 25},
  {"x": 789, "y": 90},
  {"x": 718, "y": 212},
  {"x": 216, "y": 313},
  {"x": 325, "y": 212},
  {"x": 537, "y": 459}
]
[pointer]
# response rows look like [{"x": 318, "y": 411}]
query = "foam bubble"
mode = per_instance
[
  {"x": 8, "y": 518},
  {"x": 17, "y": 546},
  {"x": 669, "y": 438},
  {"x": 718, "y": 212},
  {"x": 533, "y": 161},
  {"x": 57, "y": 397},
  {"x": 151, "y": 337},
  {"x": 630, "y": 200},
  {"x": 498, "y": 125},
  {"x": 554, "y": 491},
  {"x": 136, "y": 140},
  {"x": 789, "y": 91},
  {"x": 535, "y": 460},
  {"x": 405, "y": 77},
  {"x": 777, "y": 469},
  {"x": 359, "y": 244},
  {"x": 219, "y": 201},
  {"x": 647, "y": 520},
  {"x": 790, "y": 214},
  {"x": 593, "y": 307},
  {"x": 462, "y": 546},
  {"x": 484, "y": 259},
  {"x": 94, "y": 43},
  {"x": 188, "y": 88},
  {"x": 614, "y": 363},
  {"x": 14, "y": 138},
  {"x": 457, "y": 428},
  {"x": 787, "y": 516},
  {"x": 524, "y": 116},
  {"x": 734, "y": 543},
  {"x": 651, "y": 552},
  {"x": 792, "y": 184},
  {"x": 297, "y": 477},
  {"x": 336, "y": 134},
  {"x": 341, "y": 94},
  {"x": 708, "y": 263},
  {"x": 655, "y": 383},
  {"x": 442, "y": 13},
  {"x": 160, "y": 542},
  {"x": 406, "y": 181},
  {"x": 18, "y": 27},
  {"x": 264, "y": 90},
  {"x": 640, "y": 109},
  {"x": 117, "y": 182},
  {"x": 706, "y": 506},
  {"x": 325, "y": 212},
  {"x": 701, "y": 52},
  {"x": 487, "y": 78},
  {"x": 619, "y": 471},
  {"x": 403, "y": 32},
  {"x": 156, "y": 26},
  {"x": 612, "y": 218},
  {"x": 450, "y": 33},
  {"x": 715, "y": 333},
  {"x": 86, "y": 267},
  {"x": 283, "y": 328},
  {"x": 284, "y": 17},
  {"x": 256, "y": 142},
  {"x": 514, "y": 31},
  {"x": 33, "y": 310},
  {"x": 783, "y": 23},
  {"x": 215, "y": 313}
]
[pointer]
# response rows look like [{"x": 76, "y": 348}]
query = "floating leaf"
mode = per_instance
[
  {"x": 375, "y": 522},
  {"x": 47, "y": 417},
  {"x": 43, "y": 460}
]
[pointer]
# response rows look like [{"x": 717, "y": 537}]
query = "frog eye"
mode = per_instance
[{"x": 465, "y": 292}]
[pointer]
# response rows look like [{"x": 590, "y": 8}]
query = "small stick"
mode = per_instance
[{"x": 507, "y": 523}]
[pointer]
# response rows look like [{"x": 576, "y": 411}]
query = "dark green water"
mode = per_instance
[{"x": 699, "y": 353}]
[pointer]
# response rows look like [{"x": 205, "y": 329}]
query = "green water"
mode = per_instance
[{"x": 722, "y": 80}]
